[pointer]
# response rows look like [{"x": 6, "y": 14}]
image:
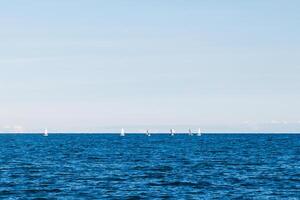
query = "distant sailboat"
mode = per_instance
[
  {"x": 45, "y": 133},
  {"x": 190, "y": 132},
  {"x": 199, "y": 132},
  {"x": 172, "y": 132},
  {"x": 148, "y": 133},
  {"x": 122, "y": 132}
]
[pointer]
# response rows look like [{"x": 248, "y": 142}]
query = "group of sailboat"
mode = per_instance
[
  {"x": 190, "y": 132},
  {"x": 172, "y": 132}
]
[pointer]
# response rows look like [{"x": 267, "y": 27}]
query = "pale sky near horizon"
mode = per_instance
[{"x": 97, "y": 66}]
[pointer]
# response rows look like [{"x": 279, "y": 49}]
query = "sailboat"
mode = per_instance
[
  {"x": 190, "y": 132},
  {"x": 45, "y": 133},
  {"x": 122, "y": 132},
  {"x": 148, "y": 133},
  {"x": 199, "y": 132},
  {"x": 172, "y": 132}
]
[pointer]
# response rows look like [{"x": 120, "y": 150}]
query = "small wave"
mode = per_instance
[
  {"x": 162, "y": 168},
  {"x": 182, "y": 184}
]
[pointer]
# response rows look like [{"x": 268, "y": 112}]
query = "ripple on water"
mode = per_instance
[{"x": 157, "y": 167}]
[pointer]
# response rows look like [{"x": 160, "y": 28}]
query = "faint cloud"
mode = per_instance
[
  {"x": 12, "y": 129},
  {"x": 26, "y": 60},
  {"x": 18, "y": 129},
  {"x": 280, "y": 122},
  {"x": 275, "y": 122}
]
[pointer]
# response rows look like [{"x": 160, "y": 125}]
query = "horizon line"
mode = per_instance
[{"x": 165, "y": 133}]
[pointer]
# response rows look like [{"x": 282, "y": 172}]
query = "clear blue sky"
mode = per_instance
[{"x": 94, "y": 66}]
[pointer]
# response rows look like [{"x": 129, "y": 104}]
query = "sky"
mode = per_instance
[{"x": 98, "y": 66}]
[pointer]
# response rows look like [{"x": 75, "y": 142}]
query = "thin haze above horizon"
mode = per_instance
[{"x": 98, "y": 66}]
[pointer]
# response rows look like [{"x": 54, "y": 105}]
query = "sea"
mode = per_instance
[{"x": 107, "y": 166}]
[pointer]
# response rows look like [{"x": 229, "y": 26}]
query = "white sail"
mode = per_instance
[
  {"x": 172, "y": 132},
  {"x": 46, "y": 133},
  {"x": 122, "y": 132},
  {"x": 190, "y": 132},
  {"x": 199, "y": 132}
]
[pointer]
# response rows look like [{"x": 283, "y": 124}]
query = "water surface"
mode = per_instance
[{"x": 215, "y": 166}]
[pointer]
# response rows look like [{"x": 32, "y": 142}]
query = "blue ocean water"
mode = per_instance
[{"x": 215, "y": 166}]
